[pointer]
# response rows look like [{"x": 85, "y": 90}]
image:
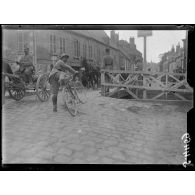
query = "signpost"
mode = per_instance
[{"x": 144, "y": 34}]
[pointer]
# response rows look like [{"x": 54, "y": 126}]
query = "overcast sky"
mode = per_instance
[{"x": 161, "y": 41}]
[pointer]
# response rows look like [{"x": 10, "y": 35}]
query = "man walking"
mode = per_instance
[
  {"x": 59, "y": 76},
  {"x": 108, "y": 65}
]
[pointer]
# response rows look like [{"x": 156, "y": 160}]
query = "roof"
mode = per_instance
[
  {"x": 99, "y": 35},
  {"x": 125, "y": 46},
  {"x": 102, "y": 37}
]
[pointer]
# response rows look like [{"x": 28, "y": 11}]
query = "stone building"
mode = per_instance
[
  {"x": 46, "y": 45},
  {"x": 152, "y": 67},
  {"x": 129, "y": 49},
  {"x": 174, "y": 60}
]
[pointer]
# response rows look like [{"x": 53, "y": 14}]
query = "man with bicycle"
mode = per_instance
[{"x": 59, "y": 76}]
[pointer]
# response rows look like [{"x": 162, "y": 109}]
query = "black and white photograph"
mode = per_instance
[{"x": 100, "y": 96}]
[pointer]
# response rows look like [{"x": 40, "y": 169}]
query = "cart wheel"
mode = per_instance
[
  {"x": 43, "y": 87},
  {"x": 16, "y": 93}
]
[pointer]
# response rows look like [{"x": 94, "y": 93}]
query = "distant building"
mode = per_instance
[
  {"x": 152, "y": 67},
  {"x": 129, "y": 48},
  {"x": 174, "y": 60}
]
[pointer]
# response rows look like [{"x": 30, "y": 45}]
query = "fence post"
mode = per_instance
[
  {"x": 144, "y": 91},
  {"x": 102, "y": 83}
]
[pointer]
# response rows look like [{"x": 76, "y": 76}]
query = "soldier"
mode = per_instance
[
  {"x": 108, "y": 65},
  {"x": 58, "y": 76},
  {"x": 26, "y": 65}
]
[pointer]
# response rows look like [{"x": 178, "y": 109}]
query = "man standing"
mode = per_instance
[
  {"x": 108, "y": 65},
  {"x": 58, "y": 76},
  {"x": 26, "y": 65}
]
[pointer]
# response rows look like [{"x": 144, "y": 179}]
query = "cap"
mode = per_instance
[
  {"x": 64, "y": 55},
  {"x": 26, "y": 49}
]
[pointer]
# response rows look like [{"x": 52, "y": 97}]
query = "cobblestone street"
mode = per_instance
[{"x": 106, "y": 131}]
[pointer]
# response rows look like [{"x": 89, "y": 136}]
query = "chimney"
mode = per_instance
[
  {"x": 173, "y": 49},
  {"x": 178, "y": 48},
  {"x": 112, "y": 35},
  {"x": 132, "y": 42}
]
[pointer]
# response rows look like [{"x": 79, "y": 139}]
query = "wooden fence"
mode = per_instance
[{"x": 146, "y": 85}]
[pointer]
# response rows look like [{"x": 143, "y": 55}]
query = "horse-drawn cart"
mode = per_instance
[{"x": 17, "y": 88}]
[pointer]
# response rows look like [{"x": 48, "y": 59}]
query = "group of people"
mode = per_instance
[{"x": 59, "y": 73}]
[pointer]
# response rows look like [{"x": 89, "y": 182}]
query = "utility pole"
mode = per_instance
[
  {"x": 145, "y": 61},
  {"x": 34, "y": 49},
  {"x": 144, "y": 34}
]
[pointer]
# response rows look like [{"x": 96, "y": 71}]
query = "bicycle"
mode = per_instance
[{"x": 70, "y": 93}]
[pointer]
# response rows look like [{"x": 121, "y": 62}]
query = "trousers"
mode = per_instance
[{"x": 57, "y": 79}]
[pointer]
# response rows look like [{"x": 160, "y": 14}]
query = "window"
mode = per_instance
[
  {"x": 52, "y": 44},
  {"x": 20, "y": 42},
  {"x": 90, "y": 51},
  {"x": 98, "y": 54},
  {"x": 76, "y": 48},
  {"x": 62, "y": 45},
  {"x": 85, "y": 50},
  {"x": 61, "y": 50}
]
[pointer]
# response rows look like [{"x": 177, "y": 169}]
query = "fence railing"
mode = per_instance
[{"x": 134, "y": 82}]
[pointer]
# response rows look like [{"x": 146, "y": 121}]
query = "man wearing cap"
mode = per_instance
[
  {"x": 58, "y": 76},
  {"x": 26, "y": 65},
  {"x": 108, "y": 65}
]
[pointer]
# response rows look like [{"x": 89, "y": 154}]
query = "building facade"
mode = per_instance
[
  {"x": 47, "y": 45},
  {"x": 129, "y": 49},
  {"x": 174, "y": 60}
]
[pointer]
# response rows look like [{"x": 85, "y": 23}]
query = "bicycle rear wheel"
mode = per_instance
[{"x": 70, "y": 101}]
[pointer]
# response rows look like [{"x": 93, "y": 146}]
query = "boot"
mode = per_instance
[{"x": 54, "y": 100}]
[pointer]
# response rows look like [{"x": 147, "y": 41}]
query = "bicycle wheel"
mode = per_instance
[
  {"x": 70, "y": 101},
  {"x": 80, "y": 92},
  {"x": 43, "y": 88}
]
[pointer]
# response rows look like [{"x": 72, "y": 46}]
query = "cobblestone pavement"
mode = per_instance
[{"x": 106, "y": 131}]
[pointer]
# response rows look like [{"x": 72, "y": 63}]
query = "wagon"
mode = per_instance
[{"x": 17, "y": 88}]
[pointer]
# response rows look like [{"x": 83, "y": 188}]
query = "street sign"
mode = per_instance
[{"x": 144, "y": 33}]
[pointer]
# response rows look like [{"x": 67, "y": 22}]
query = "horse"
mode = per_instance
[{"x": 91, "y": 75}]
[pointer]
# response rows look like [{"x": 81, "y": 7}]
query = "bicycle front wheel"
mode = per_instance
[
  {"x": 80, "y": 92},
  {"x": 70, "y": 101}
]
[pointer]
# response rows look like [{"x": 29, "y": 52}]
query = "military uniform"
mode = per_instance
[
  {"x": 108, "y": 65},
  {"x": 26, "y": 66},
  {"x": 108, "y": 62},
  {"x": 59, "y": 75}
]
